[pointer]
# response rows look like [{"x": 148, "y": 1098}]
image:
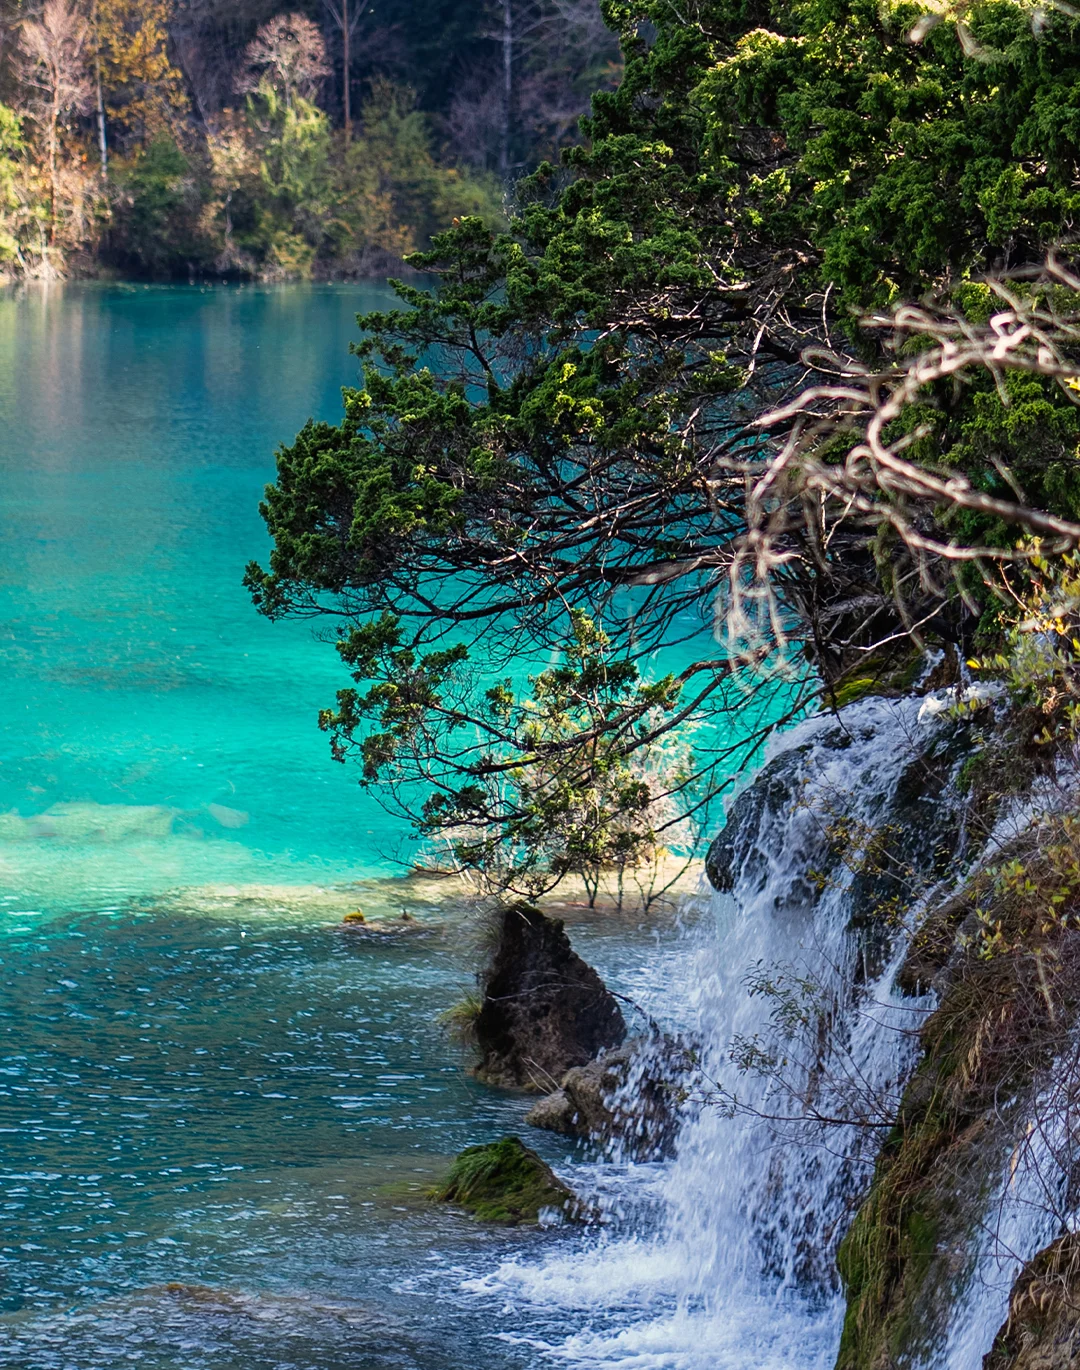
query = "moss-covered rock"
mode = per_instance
[
  {"x": 892, "y": 674},
  {"x": 507, "y": 1182},
  {"x": 1042, "y": 1331}
]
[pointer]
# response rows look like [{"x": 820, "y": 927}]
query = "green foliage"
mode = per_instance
[
  {"x": 15, "y": 214},
  {"x": 459, "y": 1020},
  {"x": 903, "y": 162},
  {"x": 1039, "y": 658},
  {"x": 159, "y": 226},
  {"x": 281, "y": 213},
  {"x": 570, "y": 795},
  {"x": 1034, "y": 670},
  {"x": 1022, "y": 433},
  {"x": 1022, "y": 902},
  {"x": 294, "y": 198},
  {"x": 555, "y": 425},
  {"x": 578, "y": 776},
  {"x": 281, "y": 196},
  {"x": 740, "y": 148},
  {"x": 876, "y": 164},
  {"x": 391, "y": 163}
]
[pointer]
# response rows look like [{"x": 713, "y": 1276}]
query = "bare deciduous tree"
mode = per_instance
[
  {"x": 53, "y": 53},
  {"x": 474, "y": 121},
  {"x": 549, "y": 58},
  {"x": 572, "y": 54},
  {"x": 350, "y": 20},
  {"x": 845, "y": 456},
  {"x": 290, "y": 51}
]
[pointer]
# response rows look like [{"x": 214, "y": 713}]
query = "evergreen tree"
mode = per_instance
[{"x": 763, "y": 174}]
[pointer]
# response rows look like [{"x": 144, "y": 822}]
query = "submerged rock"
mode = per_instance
[
  {"x": 544, "y": 1010},
  {"x": 507, "y": 1182},
  {"x": 1042, "y": 1331},
  {"x": 360, "y": 927},
  {"x": 628, "y": 1097}
]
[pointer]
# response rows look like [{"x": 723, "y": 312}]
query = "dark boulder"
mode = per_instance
[
  {"x": 906, "y": 838},
  {"x": 735, "y": 853},
  {"x": 544, "y": 1010},
  {"x": 628, "y": 1098}
]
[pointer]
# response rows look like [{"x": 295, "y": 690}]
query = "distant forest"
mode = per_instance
[{"x": 240, "y": 139}]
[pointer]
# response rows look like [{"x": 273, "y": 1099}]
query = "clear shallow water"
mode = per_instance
[
  {"x": 216, "y": 1134},
  {"x": 219, "y": 1116}
]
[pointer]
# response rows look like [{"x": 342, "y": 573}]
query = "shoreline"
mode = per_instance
[{"x": 417, "y": 897}]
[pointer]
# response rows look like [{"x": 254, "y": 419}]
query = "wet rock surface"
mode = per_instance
[
  {"x": 912, "y": 842},
  {"x": 544, "y": 1009},
  {"x": 734, "y": 852},
  {"x": 627, "y": 1098},
  {"x": 878, "y": 831},
  {"x": 991, "y": 1063}
]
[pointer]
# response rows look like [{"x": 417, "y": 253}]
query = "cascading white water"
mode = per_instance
[
  {"x": 1023, "y": 1215},
  {"x": 728, "y": 1256}
]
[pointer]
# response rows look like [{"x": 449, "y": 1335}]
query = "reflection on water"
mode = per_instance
[{"x": 137, "y": 429}]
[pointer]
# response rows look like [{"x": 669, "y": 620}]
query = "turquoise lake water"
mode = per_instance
[
  {"x": 218, "y": 1110},
  {"x": 144, "y": 700}
]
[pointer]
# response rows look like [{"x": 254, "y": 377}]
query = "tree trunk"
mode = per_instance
[
  {"x": 54, "y": 120},
  {"x": 103, "y": 146},
  {"x": 508, "y": 83},
  {"x": 346, "y": 68},
  {"x": 590, "y": 878}
]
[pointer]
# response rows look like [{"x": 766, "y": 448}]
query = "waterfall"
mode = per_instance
[{"x": 725, "y": 1257}]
